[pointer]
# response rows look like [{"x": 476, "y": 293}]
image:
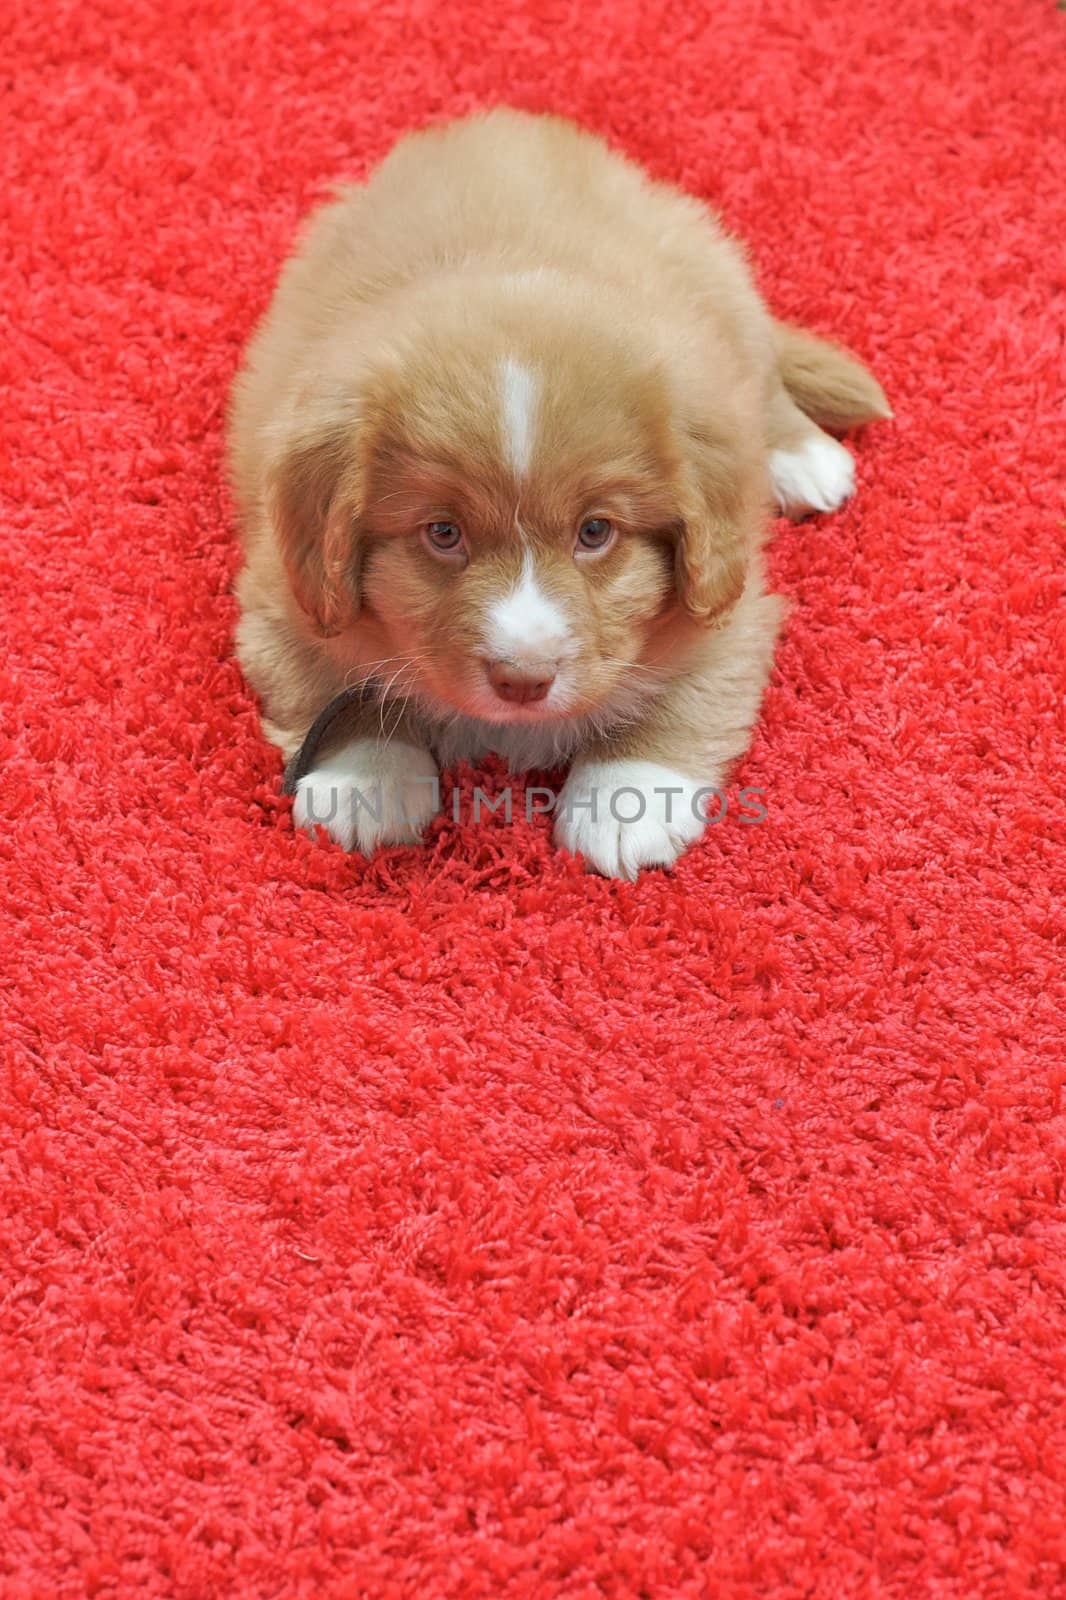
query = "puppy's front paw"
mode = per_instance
[
  {"x": 369, "y": 794},
  {"x": 625, "y": 815},
  {"x": 818, "y": 476}
]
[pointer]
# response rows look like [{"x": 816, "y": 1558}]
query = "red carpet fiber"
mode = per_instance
[{"x": 457, "y": 1224}]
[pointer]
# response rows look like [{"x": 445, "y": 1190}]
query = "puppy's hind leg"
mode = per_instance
[
  {"x": 820, "y": 387},
  {"x": 809, "y": 471}
]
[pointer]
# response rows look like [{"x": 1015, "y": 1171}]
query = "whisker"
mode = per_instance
[
  {"x": 637, "y": 667},
  {"x": 400, "y": 714},
  {"x": 364, "y": 670},
  {"x": 385, "y": 695}
]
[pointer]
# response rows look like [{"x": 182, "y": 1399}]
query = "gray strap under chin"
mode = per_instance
[{"x": 368, "y": 693}]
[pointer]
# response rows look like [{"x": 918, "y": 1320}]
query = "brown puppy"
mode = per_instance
[{"x": 504, "y": 444}]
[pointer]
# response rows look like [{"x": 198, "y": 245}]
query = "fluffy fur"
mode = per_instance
[{"x": 505, "y": 443}]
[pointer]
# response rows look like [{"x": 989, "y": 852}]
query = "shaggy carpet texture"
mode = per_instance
[{"x": 455, "y": 1223}]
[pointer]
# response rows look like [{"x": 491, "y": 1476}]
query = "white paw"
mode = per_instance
[
  {"x": 369, "y": 794},
  {"x": 611, "y": 813},
  {"x": 819, "y": 476}
]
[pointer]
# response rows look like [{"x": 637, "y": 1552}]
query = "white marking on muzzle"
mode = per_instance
[{"x": 525, "y": 624}]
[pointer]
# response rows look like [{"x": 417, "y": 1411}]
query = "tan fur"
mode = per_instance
[
  {"x": 369, "y": 406},
  {"x": 826, "y": 383}
]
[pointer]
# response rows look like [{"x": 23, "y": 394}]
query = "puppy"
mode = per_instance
[{"x": 504, "y": 446}]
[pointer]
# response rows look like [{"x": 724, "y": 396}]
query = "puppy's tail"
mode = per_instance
[{"x": 829, "y": 385}]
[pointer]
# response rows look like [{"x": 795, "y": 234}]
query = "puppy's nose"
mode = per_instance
[{"x": 521, "y": 683}]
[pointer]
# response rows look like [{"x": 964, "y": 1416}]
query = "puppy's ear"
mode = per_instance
[
  {"x": 715, "y": 534},
  {"x": 314, "y": 498}
]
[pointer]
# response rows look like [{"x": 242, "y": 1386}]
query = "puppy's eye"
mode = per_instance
[
  {"x": 595, "y": 534},
  {"x": 444, "y": 538}
]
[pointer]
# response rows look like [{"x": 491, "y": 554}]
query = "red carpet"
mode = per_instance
[{"x": 456, "y": 1224}]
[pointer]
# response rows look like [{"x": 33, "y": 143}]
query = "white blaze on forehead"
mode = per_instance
[
  {"x": 525, "y": 623},
  {"x": 518, "y": 404}
]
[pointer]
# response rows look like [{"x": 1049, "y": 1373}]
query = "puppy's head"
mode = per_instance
[{"x": 516, "y": 503}]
